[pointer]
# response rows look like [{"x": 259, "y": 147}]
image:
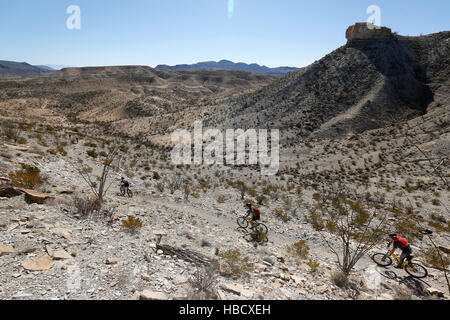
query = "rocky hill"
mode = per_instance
[
  {"x": 229, "y": 65},
  {"x": 12, "y": 69},
  {"x": 375, "y": 76}
]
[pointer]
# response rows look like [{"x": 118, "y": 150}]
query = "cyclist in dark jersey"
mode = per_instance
[
  {"x": 125, "y": 184},
  {"x": 256, "y": 214},
  {"x": 400, "y": 243}
]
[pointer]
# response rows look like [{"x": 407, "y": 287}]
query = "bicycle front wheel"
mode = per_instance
[
  {"x": 242, "y": 222},
  {"x": 122, "y": 191},
  {"x": 382, "y": 259},
  {"x": 262, "y": 228},
  {"x": 415, "y": 270}
]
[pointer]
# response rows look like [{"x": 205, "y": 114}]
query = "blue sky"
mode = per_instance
[{"x": 152, "y": 32}]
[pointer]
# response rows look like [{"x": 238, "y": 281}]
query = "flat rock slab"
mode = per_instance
[
  {"x": 63, "y": 232},
  {"x": 238, "y": 290},
  {"x": 35, "y": 196},
  {"x": 152, "y": 295},
  {"x": 18, "y": 148},
  {"x": 4, "y": 250},
  {"x": 61, "y": 254},
  {"x": 298, "y": 279},
  {"x": 43, "y": 262}
]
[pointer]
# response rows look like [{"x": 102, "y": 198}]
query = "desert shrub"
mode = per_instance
[
  {"x": 29, "y": 177},
  {"x": 407, "y": 227},
  {"x": 10, "y": 131},
  {"x": 282, "y": 215},
  {"x": 221, "y": 199},
  {"x": 314, "y": 265},
  {"x": 123, "y": 148},
  {"x": 186, "y": 191},
  {"x": 203, "y": 284},
  {"x": 252, "y": 192},
  {"x": 260, "y": 199},
  {"x": 160, "y": 186},
  {"x": 316, "y": 220},
  {"x": 436, "y": 202},
  {"x": 156, "y": 175},
  {"x": 299, "y": 249},
  {"x": 60, "y": 149},
  {"x": 90, "y": 144},
  {"x": 132, "y": 223},
  {"x": 21, "y": 140},
  {"x": 351, "y": 223},
  {"x": 175, "y": 183},
  {"x": 438, "y": 226},
  {"x": 438, "y": 218},
  {"x": 436, "y": 260},
  {"x": 235, "y": 263},
  {"x": 92, "y": 153},
  {"x": 339, "y": 279},
  {"x": 86, "y": 207}
]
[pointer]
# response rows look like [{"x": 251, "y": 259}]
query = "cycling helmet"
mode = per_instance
[{"x": 393, "y": 235}]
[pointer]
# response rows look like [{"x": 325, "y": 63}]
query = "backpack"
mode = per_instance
[{"x": 257, "y": 212}]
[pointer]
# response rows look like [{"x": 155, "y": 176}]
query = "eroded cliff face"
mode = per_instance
[{"x": 364, "y": 32}]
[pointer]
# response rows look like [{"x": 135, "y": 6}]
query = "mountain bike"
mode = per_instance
[
  {"x": 415, "y": 270},
  {"x": 129, "y": 192},
  {"x": 244, "y": 222}
]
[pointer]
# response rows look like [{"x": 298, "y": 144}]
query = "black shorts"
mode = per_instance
[
  {"x": 256, "y": 218},
  {"x": 125, "y": 185},
  {"x": 406, "y": 250}
]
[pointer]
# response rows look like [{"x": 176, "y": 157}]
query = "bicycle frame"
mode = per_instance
[
  {"x": 255, "y": 223},
  {"x": 397, "y": 259}
]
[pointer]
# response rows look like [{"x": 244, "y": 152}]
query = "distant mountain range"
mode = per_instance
[
  {"x": 22, "y": 69},
  {"x": 229, "y": 65},
  {"x": 13, "y": 68}
]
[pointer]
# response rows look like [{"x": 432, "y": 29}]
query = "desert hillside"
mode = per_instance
[
  {"x": 352, "y": 89},
  {"x": 133, "y": 99}
]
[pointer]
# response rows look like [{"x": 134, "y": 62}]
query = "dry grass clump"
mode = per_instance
[
  {"x": 203, "y": 285},
  {"x": 29, "y": 177},
  {"x": 132, "y": 223},
  {"x": 299, "y": 249}
]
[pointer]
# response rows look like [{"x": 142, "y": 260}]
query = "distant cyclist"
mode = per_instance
[
  {"x": 254, "y": 212},
  {"x": 400, "y": 243},
  {"x": 124, "y": 185}
]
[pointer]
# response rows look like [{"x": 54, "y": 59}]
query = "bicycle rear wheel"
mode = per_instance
[
  {"x": 242, "y": 222},
  {"x": 415, "y": 270},
  {"x": 130, "y": 193},
  {"x": 382, "y": 259}
]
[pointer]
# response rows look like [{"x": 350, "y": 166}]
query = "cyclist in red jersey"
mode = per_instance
[
  {"x": 256, "y": 214},
  {"x": 400, "y": 243}
]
